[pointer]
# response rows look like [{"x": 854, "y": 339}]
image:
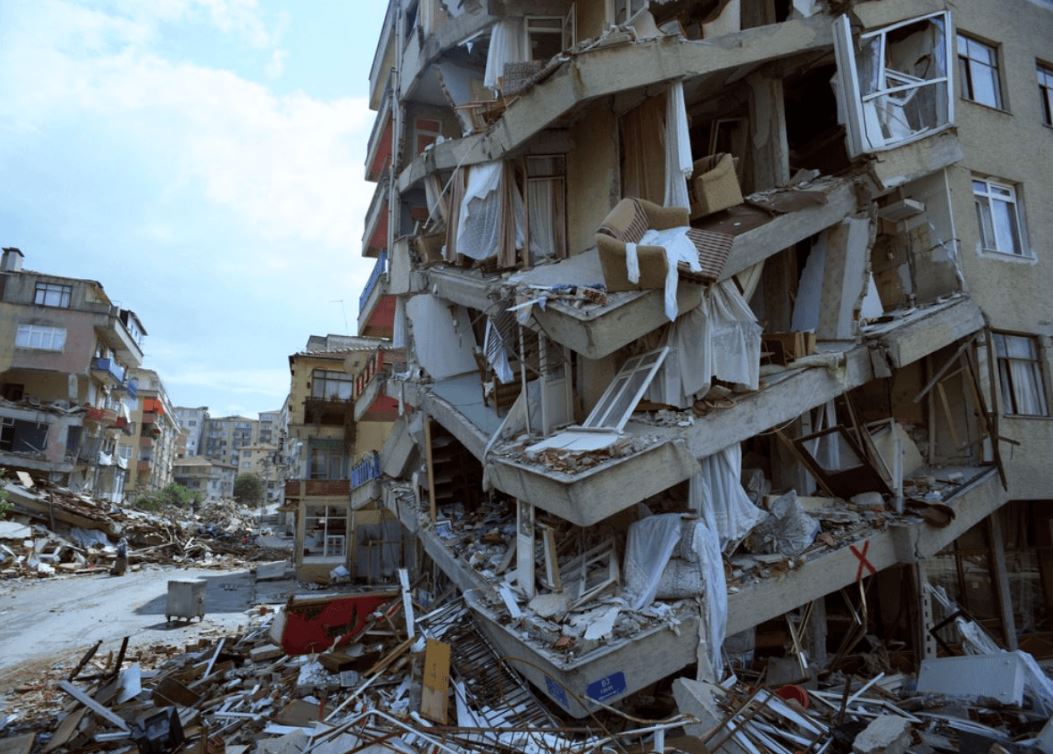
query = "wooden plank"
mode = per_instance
[
  {"x": 18, "y": 744},
  {"x": 93, "y": 705},
  {"x": 66, "y": 729},
  {"x": 436, "y": 682}
]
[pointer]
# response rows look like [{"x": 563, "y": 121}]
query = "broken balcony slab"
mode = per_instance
[
  {"x": 366, "y": 493},
  {"x": 893, "y": 168},
  {"x": 588, "y": 497},
  {"x": 597, "y": 330},
  {"x": 835, "y": 569},
  {"x": 610, "y": 69},
  {"x": 916, "y": 334},
  {"x": 626, "y": 663}
]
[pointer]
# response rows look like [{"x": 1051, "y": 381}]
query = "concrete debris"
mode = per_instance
[
  {"x": 52, "y": 530},
  {"x": 886, "y": 734}
]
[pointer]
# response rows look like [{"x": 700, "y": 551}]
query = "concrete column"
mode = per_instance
[
  {"x": 525, "y": 547},
  {"x": 1000, "y": 577},
  {"x": 771, "y": 152}
]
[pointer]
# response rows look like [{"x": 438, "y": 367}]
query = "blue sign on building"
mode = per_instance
[{"x": 607, "y": 687}]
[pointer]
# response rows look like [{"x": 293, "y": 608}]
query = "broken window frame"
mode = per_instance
[
  {"x": 647, "y": 364},
  {"x": 1008, "y": 382},
  {"x": 52, "y": 294},
  {"x": 613, "y": 6},
  {"x": 967, "y": 68},
  {"x": 1045, "y": 90},
  {"x": 860, "y": 138},
  {"x": 40, "y": 338},
  {"x": 535, "y": 25},
  {"x": 998, "y": 191}
]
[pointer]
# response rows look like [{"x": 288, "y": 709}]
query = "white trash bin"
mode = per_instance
[{"x": 186, "y": 599}]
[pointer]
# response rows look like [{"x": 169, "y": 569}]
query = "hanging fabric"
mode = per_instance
[
  {"x": 718, "y": 339},
  {"x": 643, "y": 161},
  {"x": 678, "y": 163},
  {"x": 506, "y": 46},
  {"x": 717, "y": 495}
]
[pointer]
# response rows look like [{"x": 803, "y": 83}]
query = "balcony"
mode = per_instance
[
  {"x": 153, "y": 406},
  {"x": 107, "y": 371},
  {"x": 383, "y": 58},
  {"x": 105, "y": 417},
  {"x": 365, "y": 470},
  {"x": 378, "y": 153},
  {"x": 375, "y": 237},
  {"x": 371, "y": 401},
  {"x": 376, "y": 307},
  {"x": 303, "y": 488},
  {"x": 124, "y": 425}
]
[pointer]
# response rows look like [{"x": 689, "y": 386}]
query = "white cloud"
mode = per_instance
[
  {"x": 276, "y": 65},
  {"x": 290, "y": 166}
]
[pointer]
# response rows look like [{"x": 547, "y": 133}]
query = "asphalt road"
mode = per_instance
[{"x": 61, "y": 617}]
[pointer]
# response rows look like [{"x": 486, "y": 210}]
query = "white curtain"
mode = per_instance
[
  {"x": 540, "y": 197},
  {"x": 717, "y": 495},
  {"x": 497, "y": 353},
  {"x": 479, "y": 232},
  {"x": 720, "y": 338},
  {"x": 506, "y": 46},
  {"x": 678, "y": 163}
]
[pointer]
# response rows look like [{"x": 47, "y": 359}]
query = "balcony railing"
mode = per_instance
[
  {"x": 379, "y": 270},
  {"x": 317, "y": 488},
  {"x": 107, "y": 367},
  {"x": 365, "y": 470}
]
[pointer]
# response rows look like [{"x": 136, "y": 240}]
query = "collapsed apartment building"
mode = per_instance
[
  {"x": 67, "y": 355},
  {"x": 721, "y": 327}
]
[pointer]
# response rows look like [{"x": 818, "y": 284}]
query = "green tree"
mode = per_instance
[
  {"x": 174, "y": 495},
  {"x": 248, "y": 489}
]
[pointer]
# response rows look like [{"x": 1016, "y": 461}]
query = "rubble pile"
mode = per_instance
[
  {"x": 410, "y": 684},
  {"x": 341, "y": 673},
  {"x": 52, "y": 530}
]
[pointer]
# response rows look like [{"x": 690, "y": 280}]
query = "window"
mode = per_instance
[
  {"x": 325, "y": 533},
  {"x": 329, "y": 385},
  {"x": 544, "y": 37},
  {"x": 1020, "y": 375},
  {"x": 326, "y": 460},
  {"x": 895, "y": 82},
  {"x": 40, "y": 338},
  {"x": 998, "y": 216},
  {"x": 546, "y": 206},
  {"x": 978, "y": 68},
  {"x": 621, "y": 12},
  {"x": 52, "y": 294},
  {"x": 1045, "y": 89},
  {"x": 619, "y": 400}
]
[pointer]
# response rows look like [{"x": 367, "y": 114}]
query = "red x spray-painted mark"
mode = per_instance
[{"x": 863, "y": 562}]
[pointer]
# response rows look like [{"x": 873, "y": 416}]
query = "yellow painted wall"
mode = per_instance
[{"x": 592, "y": 174}]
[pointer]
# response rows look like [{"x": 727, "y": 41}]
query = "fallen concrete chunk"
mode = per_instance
[
  {"x": 264, "y": 652},
  {"x": 699, "y": 700},
  {"x": 886, "y": 734}
]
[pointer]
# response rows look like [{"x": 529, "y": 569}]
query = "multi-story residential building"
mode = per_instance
[
  {"x": 734, "y": 304},
  {"x": 332, "y": 452},
  {"x": 192, "y": 421},
  {"x": 223, "y": 437},
  {"x": 264, "y": 461},
  {"x": 152, "y": 447},
  {"x": 65, "y": 350},
  {"x": 270, "y": 427},
  {"x": 212, "y": 480}
]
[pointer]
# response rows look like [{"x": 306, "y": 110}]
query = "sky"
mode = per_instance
[{"x": 203, "y": 160}]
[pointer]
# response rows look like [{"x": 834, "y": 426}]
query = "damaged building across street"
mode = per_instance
[{"x": 726, "y": 329}]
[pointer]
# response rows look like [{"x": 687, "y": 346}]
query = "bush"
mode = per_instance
[
  {"x": 174, "y": 495},
  {"x": 248, "y": 489}
]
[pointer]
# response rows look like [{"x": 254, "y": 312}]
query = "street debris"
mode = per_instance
[{"x": 51, "y": 530}]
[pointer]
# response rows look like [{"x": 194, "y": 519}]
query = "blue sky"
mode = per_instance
[{"x": 203, "y": 159}]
